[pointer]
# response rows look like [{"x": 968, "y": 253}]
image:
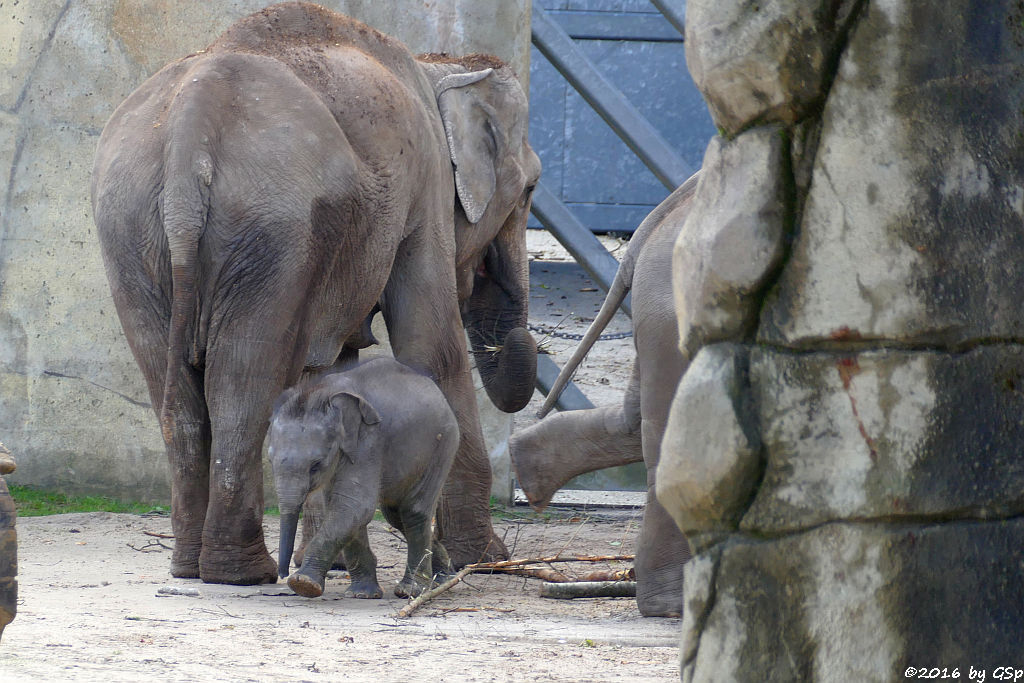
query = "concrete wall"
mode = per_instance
[{"x": 72, "y": 401}]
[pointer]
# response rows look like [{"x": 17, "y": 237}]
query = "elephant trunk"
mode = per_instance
[
  {"x": 289, "y": 524},
  {"x": 509, "y": 375},
  {"x": 495, "y": 316}
]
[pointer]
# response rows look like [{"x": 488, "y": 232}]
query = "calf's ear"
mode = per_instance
[{"x": 355, "y": 413}]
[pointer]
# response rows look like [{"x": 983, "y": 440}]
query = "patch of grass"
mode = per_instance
[{"x": 33, "y": 502}]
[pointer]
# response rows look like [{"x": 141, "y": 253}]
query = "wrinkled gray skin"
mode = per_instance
[
  {"x": 556, "y": 449},
  {"x": 256, "y": 201},
  {"x": 377, "y": 433}
]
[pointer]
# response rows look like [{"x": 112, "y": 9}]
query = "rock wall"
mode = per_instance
[
  {"x": 846, "y": 450},
  {"x": 72, "y": 401}
]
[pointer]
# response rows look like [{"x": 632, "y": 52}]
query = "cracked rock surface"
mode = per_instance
[{"x": 886, "y": 373}]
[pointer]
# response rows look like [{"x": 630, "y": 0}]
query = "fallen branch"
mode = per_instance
[
  {"x": 430, "y": 594},
  {"x": 552, "y": 575},
  {"x": 150, "y": 547},
  {"x": 504, "y": 566},
  {"x": 156, "y": 535},
  {"x": 486, "y": 566},
  {"x": 619, "y": 575},
  {"x": 588, "y": 589}
]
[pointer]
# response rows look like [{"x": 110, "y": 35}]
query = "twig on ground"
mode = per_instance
[
  {"x": 430, "y": 594},
  {"x": 502, "y": 566},
  {"x": 150, "y": 547},
  {"x": 589, "y": 589},
  {"x": 156, "y": 535}
]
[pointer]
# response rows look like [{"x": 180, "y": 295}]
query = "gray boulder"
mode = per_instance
[{"x": 733, "y": 238}]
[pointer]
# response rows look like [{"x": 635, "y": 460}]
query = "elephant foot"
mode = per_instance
[
  {"x": 365, "y": 590},
  {"x": 305, "y": 586},
  {"x": 410, "y": 588},
  {"x": 185, "y": 560},
  {"x": 237, "y": 566},
  {"x": 659, "y": 593},
  {"x": 440, "y": 563},
  {"x": 533, "y": 472},
  {"x": 469, "y": 551}
]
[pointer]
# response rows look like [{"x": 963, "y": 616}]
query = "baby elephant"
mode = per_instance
[{"x": 378, "y": 432}]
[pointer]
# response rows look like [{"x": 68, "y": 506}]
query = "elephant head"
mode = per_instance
[
  {"x": 310, "y": 435},
  {"x": 485, "y": 114}
]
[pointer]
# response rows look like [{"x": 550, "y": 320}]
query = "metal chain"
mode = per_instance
[{"x": 551, "y": 332}]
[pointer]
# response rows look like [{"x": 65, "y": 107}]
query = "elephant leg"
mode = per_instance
[
  {"x": 418, "y": 570},
  {"x": 244, "y": 375},
  {"x": 426, "y": 333},
  {"x": 662, "y": 550},
  {"x": 189, "y": 457},
  {"x": 314, "y": 510},
  {"x": 144, "y": 314},
  {"x": 362, "y": 568},
  {"x": 343, "y": 533},
  {"x": 548, "y": 454}
]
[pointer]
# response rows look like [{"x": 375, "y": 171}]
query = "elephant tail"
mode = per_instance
[
  {"x": 185, "y": 204},
  {"x": 619, "y": 288}
]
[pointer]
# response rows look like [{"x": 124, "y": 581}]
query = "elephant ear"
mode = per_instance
[
  {"x": 355, "y": 411},
  {"x": 473, "y": 140}
]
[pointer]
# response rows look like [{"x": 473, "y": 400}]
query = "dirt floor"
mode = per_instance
[{"x": 96, "y": 604}]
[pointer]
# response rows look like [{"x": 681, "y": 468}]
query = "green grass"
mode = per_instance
[{"x": 33, "y": 502}]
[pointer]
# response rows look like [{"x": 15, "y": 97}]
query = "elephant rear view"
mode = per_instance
[{"x": 256, "y": 201}]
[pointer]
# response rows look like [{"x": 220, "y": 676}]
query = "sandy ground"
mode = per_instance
[{"x": 96, "y": 604}]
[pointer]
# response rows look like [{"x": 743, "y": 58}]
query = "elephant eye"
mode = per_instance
[
  {"x": 527, "y": 193},
  {"x": 315, "y": 469}
]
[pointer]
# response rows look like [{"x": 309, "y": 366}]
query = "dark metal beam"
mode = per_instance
[
  {"x": 572, "y": 398},
  {"x": 674, "y": 11},
  {"x": 608, "y": 101}
]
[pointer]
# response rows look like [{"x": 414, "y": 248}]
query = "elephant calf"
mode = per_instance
[{"x": 378, "y": 432}]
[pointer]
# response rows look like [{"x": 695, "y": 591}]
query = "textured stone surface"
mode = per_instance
[
  {"x": 886, "y": 369},
  {"x": 732, "y": 240},
  {"x": 710, "y": 458},
  {"x": 858, "y": 602},
  {"x": 71, "y": 397},
  {"x": 761, "y": 62},
  {"x": 918, "y": 174},
  {"x": 888, "y": 434}
]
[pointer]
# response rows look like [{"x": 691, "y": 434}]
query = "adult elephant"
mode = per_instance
[
  {"x": 556, "y": 449},
  {"x": 257, "y": 200}
]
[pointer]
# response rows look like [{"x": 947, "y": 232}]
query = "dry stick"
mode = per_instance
[
  {"x": 156, "y": 535},
  {"x": 502, "y": 565},
  {"x": 428, "y": 595},
  {"x": 589, "y": 589}
]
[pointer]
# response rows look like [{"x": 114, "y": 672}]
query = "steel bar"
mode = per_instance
[
  {"x": 608, "y": 101},
  {"x": 572, "y": 398},
  {"x": 674, "y": 11},
  {"x": 581, "y": 244}
]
